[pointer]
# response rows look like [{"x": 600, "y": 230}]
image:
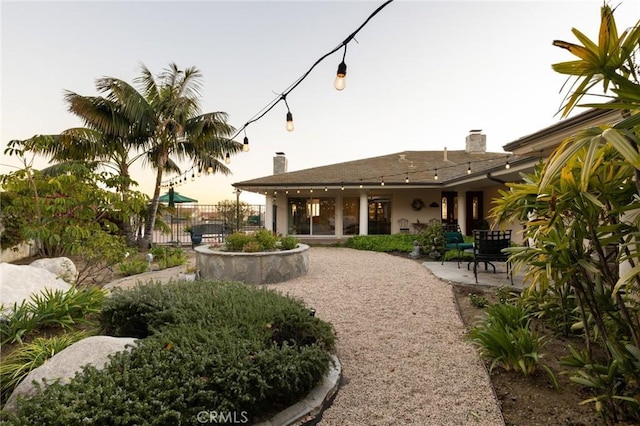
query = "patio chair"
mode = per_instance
[
  {"x": 404, "y": 225},
  {"x": 453, "y": 240},
  {"x": 488, "y": 247}
]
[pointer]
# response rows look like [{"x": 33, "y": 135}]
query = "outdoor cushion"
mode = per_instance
[{"x": 455, "y": 240}]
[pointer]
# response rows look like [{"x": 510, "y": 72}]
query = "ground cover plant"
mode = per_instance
[{"x": 212, "y": 346}]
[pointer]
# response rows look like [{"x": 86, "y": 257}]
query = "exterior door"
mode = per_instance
[
  {"x": 475, "y": 211},
  {"x": 449, "y": 209}
]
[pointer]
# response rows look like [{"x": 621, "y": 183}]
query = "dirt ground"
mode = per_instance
[{"x": 532, "y": 401}]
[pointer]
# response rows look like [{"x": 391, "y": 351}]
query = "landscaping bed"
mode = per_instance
[{"x": 531, "y": 401}]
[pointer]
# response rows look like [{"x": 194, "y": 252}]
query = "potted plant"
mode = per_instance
[{"x": 189, "y": 273}]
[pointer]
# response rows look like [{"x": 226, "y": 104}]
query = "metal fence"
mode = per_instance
[{"x": 230, "y": 217}]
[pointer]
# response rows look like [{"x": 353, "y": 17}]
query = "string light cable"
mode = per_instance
[{"x": 282, "y": 96}]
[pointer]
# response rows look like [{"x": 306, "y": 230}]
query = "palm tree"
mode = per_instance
[
  {"x": 161, "y": 123},
  {"x": 164, "y": 118}
]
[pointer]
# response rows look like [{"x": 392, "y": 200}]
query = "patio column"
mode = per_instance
[
  {"x": 268, "y": 214},
  {"x": 462, "y": 212},
  {"x": 364, "y": 214}
]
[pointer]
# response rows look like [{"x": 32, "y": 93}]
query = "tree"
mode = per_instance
[
  {"x": 580, "y": 212},
  {"x": 166, "y": 119},
  {"x": 160, "y": 123}
]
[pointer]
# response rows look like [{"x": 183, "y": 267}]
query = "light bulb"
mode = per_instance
[
  {"x": 289, "y": 122},
  {"x": 227, "y": 158},
  {"x": 209, "y": 170},
  {"x": 245, "y": 146},
  {"x": 507, "y": 166},
  {"x": 435, "y": 177},
  {"x": 339, "y": 82},
  {"x": 199, "y": 172},
  {"x": 469, "y": 169}
]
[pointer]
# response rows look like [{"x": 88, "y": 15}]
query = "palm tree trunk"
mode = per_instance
[{"x": 147, "y": 239}]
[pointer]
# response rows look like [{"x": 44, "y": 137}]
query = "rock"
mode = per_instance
[
  {"x": 63, "y": 365},
  {"x": 19, "y": 282},
  {"x": 63, "y": 267}
]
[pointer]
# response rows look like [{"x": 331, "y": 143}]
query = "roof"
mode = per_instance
[
  {"x": 552, "y": 136},
  {"x": 419, "y": 166}
]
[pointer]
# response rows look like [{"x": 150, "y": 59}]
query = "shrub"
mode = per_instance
[
  {"x": 26, "y": 357},
  {"x": 54, "y": 309},
  {"x": 431, "y": 239},
  {"x": 252, "y": 247},
  {"x": 168, "y": 257},
  {"x": 478, "y": 301},
  {"x": 288, "y": 242},
  {"x": 506, "y": 338},
  {"x": 265, "y": 239},
  {"x": 236, "y": 241},
  {"x": 133, "y": 267},
  {"x": 382, "y": 243},
  {"x": 211, "y": 346}
]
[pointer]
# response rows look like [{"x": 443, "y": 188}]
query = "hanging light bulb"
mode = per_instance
[
  {"x": 435, "y": 177},
  {"x": 245, "y": 145},
  {"x": 507, "y": 166},
  {"x": 406, "y": 179},
  {"x": 209, "y": 170},
  {"x": 326, "y": 189},
  {"x": 193, "y": 176},
  {"x": 199, "y": 172},
  {"x": 227, "y": 158},
  {"x": 381, "y": 180},
  {"x": 339, "y": 82},
  {"x": 342, "y": 187},
  {"x": 289, "y": 126},
  {"x": 469, "y": 168}
]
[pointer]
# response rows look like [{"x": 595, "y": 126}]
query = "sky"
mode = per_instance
[{"x": 420, "y": 74}]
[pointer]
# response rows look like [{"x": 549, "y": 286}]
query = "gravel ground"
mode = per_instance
[{"x": 400, "y": 342}]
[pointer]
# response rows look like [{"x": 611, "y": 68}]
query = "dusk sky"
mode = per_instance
[{"x": 420, "y": 74}]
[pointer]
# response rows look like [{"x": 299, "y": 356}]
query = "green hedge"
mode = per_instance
[
  {"x": 223, "y": 347},
  {"x": 382, "y": 243}
]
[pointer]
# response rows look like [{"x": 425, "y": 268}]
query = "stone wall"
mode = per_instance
[{"x": 252, "y": 268}]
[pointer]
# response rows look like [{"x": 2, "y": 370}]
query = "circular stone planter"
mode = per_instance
[{"x": 252, "y": 268}]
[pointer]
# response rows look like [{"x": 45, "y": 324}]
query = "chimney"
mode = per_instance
[
  {"x": 476, "y": 142},
  {"x": 279, "y": 163}
]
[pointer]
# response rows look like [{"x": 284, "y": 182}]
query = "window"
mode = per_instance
[
  {"x": 311, "y": 216},
  {"x": 350, "y": 216}
]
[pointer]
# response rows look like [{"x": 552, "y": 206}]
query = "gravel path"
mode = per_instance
[{"x": 401, "y": 342}]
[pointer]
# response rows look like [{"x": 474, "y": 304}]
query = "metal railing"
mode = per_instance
[{"x": 231, "y": 217}]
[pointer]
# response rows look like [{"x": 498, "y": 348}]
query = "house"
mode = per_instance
[{"x": 405, "y": 190}]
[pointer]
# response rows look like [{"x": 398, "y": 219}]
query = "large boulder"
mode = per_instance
[
  {"x": 19, "y": 282},
  {"x": 63, "y": 267},
  {"x": 93, "y": 351}
]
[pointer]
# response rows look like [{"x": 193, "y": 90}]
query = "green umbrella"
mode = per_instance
[{"x": 177, "y": 198}]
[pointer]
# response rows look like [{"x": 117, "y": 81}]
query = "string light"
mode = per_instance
[
  {"x": 245, "y": 144},
  {"x": 339, "y": 82},
  {"x": 507, "y": 165},
  {"x": 406, "y": 179},
  {"x": 342, "y": 68},
  {"x": 435, "y": 176},
  {"x": 381, "y": 180},
  {"x": 227, "y": 158},
  {"x": 469, "y": 168}
]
